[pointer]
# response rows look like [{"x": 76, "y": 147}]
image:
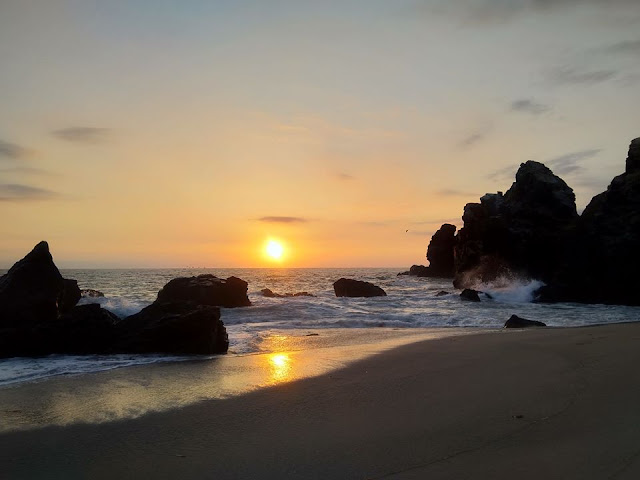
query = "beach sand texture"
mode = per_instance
[{"x": 543, "y": 403}]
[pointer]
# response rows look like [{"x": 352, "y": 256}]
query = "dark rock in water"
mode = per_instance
[
  {"x": 30, "y": 290},
  {"x": 522, "y": 233},
  {"x": 404, "y": 273},
  {"x": 419, "y": 271},
  {"x": 206, "y": 289},
  {"x": 89, "y": 292},
  {"x": 488, "y": 295},
  {"x": 69, "y": 296},
  {"x": 440, "y": 252},
  {"x": 346, "y": 287},
  {"x": 517, "y": 322},
  {"x": 470, "y": 295},
  {"x": 266, "y": 292},
  {"x": 441, "y": 293},
  {"x": 179, "y": 328}
]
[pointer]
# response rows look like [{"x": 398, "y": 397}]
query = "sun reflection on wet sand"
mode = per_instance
[{"x": 281, "y": 367}]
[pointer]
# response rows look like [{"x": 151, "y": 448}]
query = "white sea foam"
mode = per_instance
[{"x": 122, "y": 307}]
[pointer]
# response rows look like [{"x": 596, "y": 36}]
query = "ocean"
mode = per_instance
[{"x": 410, "y": 303}]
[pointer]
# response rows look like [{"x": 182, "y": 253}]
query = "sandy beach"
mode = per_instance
[{"x": 551, "y": 403}]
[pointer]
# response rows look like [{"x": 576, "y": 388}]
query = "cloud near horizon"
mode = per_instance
[
  {"x": 82, "y": 134},
  {"x": 276, "y": 219},
  {"x": 14, "y": 192}
]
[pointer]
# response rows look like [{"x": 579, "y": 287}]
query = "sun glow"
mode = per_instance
[{"x": 274, "y": 250}]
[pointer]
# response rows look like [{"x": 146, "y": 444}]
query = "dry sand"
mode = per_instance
[{"x": 545, "y": 403}]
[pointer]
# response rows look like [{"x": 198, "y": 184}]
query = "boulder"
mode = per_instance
[
  {"x": 470, "y": 295},
  {"x": 346, "y": 287},
  {"x": 419, "y": 271},
  {"x": 30, "y": 290},
  {"x": 441, "y": 293},
  {"x": 176, "y": 328},
  {"x": 206, "y": 289},
  {"x": 266, "y": 292},
  {"x": 517, "y": 322},
  {"x": 91, "y": 293}
]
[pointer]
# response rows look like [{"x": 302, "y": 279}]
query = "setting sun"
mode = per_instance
[{"x": 274, "y": 249}]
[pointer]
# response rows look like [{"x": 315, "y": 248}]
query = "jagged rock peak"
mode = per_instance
[
  {"x": 537, "y": 185},
  {"x": 633, "y": 159}
]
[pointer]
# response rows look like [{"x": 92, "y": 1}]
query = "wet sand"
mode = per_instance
[{"x": 554, "y": 403}]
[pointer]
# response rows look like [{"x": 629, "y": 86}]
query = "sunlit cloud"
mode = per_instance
[
  {"x": 82, "y": 134},
  {"x": 14, "y": 192}
]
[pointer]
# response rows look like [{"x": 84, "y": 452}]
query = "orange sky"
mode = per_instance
[{"x": 189, "y": 134}]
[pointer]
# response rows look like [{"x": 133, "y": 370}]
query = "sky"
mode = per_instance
[{"x": 188, "y": 133}]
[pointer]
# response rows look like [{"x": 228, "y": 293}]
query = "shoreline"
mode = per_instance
[{"x": 558, "y": 402}]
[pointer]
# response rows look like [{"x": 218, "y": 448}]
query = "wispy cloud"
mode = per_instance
[
  {"x": 631, "y": 47},
  {"x": 491, "y": 12},
  {"x": 276, "y": 219},
  {"x": 14, "y": 192},
  {"x": 527, "y": 105},
  {"x": 569, "y": 162},
  {"x": 566, "y": 75},
  {"x": 82, "y": 134},
  {"x": 503, "y": 173},
  {"x": 13, "y": 151},
  {"x": 23, "y": 170},
  {"x": 345, "y": 176},
  {"x": 455, "y": 193}
]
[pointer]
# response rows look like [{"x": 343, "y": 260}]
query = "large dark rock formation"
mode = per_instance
[
  {"x": 206, "y": 289},
  {"x": 180, "y": 328},
  {"x": 522, "y": 232},
  {"x": 533, "y": 231},
  {"x": 38, "y": 316},
  {"x": 346, "y": 287}
]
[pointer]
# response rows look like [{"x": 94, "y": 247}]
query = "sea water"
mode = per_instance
[{"x": 411, "y": 302}]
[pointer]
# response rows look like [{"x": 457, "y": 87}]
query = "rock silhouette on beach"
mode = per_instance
[
  {"x": 39, "y": 316},
  {"x": 518, "y": 322},
  {"x": 206, "y": 289},
  {"x": 346, "y": 287}
]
